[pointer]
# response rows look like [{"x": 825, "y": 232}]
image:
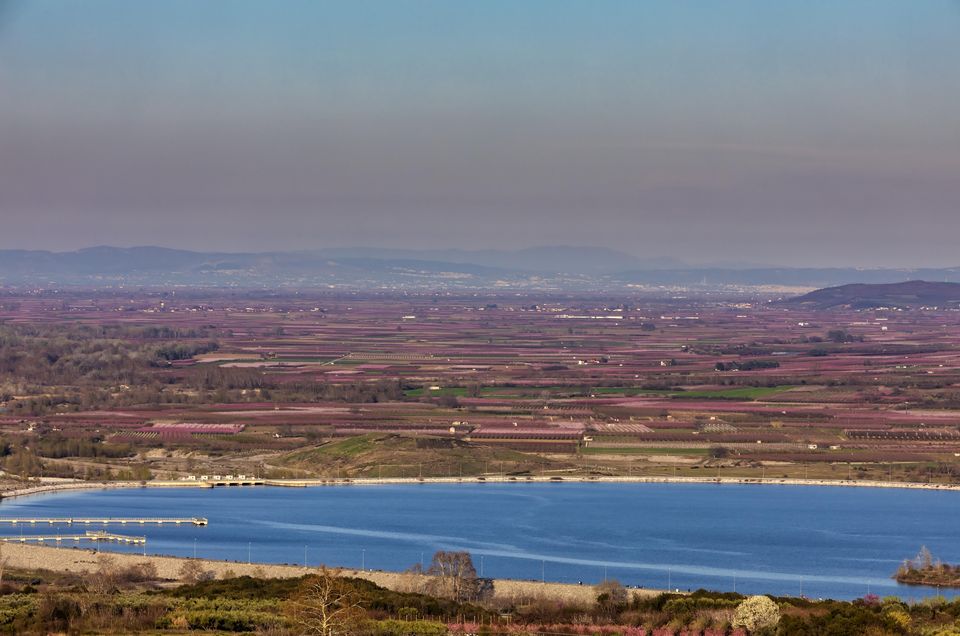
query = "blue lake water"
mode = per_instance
[{"x": 816, "y": 541}]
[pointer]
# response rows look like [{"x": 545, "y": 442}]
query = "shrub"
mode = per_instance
[
  {"x": 193, "y": 572},
  {"x": 756, "y": 613},
  {"x": 408, "y": 628}
]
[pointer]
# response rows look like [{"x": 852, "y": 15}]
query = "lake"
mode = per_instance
[{"x": 790, "y": 540}]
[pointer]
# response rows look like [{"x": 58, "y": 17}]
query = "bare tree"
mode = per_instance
[
  {"x": 193, "y": 572},
  {"x": 455, "y": 576},
  {"x": 610, "y": 592},
  {"x": 326, "y": 605}
]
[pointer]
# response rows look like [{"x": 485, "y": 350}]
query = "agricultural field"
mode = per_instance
[{"x": 143, "y": 385}]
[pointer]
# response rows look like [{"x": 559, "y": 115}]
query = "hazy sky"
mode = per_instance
[{"x": 798, "y": 132}]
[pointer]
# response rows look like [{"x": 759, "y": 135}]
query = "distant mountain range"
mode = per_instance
[
  {"x": 914, "y": 293},
  {"x": 546, "y": 268}
]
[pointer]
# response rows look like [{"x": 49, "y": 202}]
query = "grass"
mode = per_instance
[
  {"x": 352, "y": 446},
  {"x": 742, "y": 393},
  {"x": 629, "y": 391},
  {"x": 634, "y": 450},
  {"x": 349, "y": 447},
  {"x": 392, "y": 455}
]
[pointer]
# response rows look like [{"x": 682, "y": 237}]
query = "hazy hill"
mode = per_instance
[
  {"x": 915, "y": 293},
  {"x": 550, "y": 268}
]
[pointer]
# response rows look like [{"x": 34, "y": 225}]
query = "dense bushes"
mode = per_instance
[{"x": 246, "y": 604}]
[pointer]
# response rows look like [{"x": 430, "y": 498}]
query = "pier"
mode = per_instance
[
  {"x": 94, "y": 535},
  {"x": 106, "y": 521}
]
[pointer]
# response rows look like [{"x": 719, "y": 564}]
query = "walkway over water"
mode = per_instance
[
  {"x": 197, "y": 521},
  {"x": 96, "y": 535}
]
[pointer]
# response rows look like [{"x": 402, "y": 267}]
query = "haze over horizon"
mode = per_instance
[{"x": 821, "y": 133}]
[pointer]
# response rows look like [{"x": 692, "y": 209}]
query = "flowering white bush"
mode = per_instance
[{"x": 755, "y": 613}]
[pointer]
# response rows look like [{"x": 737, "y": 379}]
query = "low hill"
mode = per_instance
[
  {"x": 392, "y": 455},
  {"x": 915, "y": 293}
]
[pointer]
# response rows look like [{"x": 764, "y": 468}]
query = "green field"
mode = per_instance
[
  {"x": 634, "y": 450},
  {"x": 742, "y": 393}
]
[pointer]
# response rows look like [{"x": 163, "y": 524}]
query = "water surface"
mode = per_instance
[{"x": 816, "y": 541}]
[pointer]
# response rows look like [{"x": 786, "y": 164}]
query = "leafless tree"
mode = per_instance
[
  {"x": 193, "y": 572},
  {"x": 104, "y": 580},
  {"x": 326, "y": 605},
  {"x": 455, "y": 576}
]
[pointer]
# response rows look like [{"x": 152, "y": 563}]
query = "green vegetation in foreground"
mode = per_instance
[{"x": 112, "y": 600}]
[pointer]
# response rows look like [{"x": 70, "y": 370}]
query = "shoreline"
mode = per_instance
[
  {"x": 365, "y": 481},
  {"x": 83, "y": 560}
]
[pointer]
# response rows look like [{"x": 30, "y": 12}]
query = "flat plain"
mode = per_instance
[{"x": 185, "y": 385}]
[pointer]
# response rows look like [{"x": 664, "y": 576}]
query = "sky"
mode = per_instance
[{"x": 800, "y": 132}]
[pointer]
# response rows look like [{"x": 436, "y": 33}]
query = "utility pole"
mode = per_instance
[{"x": 249, "y": 548}]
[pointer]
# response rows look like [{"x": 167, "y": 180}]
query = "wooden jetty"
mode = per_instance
[
  {"x": 106, "y": 521},
  {"x": 90, "y": 535}
]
